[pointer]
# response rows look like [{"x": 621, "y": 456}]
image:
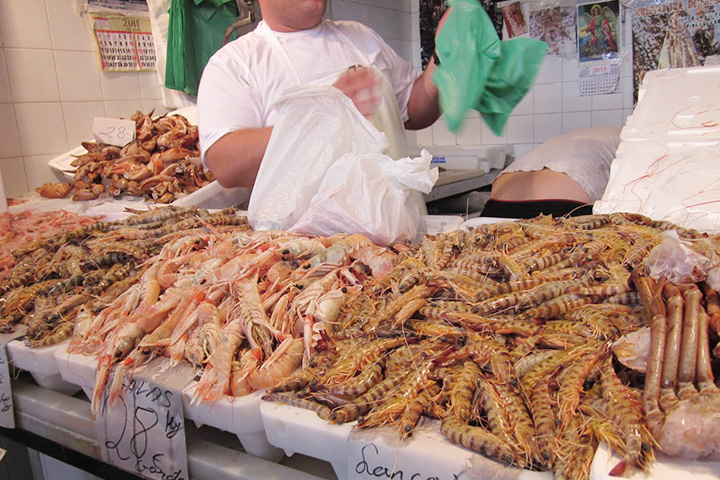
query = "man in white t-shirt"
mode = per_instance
[{"x": 292, "y": 46}]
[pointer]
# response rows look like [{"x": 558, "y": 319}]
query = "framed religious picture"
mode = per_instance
[{"x": 598, "y": 30}]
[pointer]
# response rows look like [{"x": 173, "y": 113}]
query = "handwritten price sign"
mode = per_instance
[
  {"x": 113, "y": 131},
  {"x": 7, "y": 413},
  {"x": 143, "y": 431}
]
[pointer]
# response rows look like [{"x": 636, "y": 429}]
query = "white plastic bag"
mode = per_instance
[
  {"x": 306, "y": 182},
  {"x": 371, "y": 194}
]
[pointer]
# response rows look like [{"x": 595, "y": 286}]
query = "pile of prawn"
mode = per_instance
[
  {"x": 17, "y": 230},
  {"x": 62, "y": 278},
  {"x": 245, "y": 308},
  {"x": 506, "y": 335},
  {"x": 162, "y": 164}
]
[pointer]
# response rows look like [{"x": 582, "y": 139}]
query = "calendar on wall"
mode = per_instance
[
  {"x": 599, "y": 79},
  {"x": 124, "y": 43}
]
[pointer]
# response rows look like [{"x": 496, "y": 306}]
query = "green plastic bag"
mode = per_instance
[
  {"x": 195, "y": 33},
  {"x": 479, "y": 71}
]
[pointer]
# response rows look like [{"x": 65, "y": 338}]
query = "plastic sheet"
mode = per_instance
[{"x": 479, "y": 71}]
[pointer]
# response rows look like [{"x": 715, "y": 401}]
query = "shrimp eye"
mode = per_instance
[
  {"x": 344, "y": 289},
  {"x": 285, "y": 252},
  {"x": 118, "y": 354},
  {"x": 306, "y": 266}
]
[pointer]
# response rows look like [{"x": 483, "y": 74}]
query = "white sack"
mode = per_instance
[
  {"x": 371, "y": 194},
  {"x": 306, "y": 173}
]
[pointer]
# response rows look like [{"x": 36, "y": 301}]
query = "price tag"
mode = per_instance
[
  {"x": 7, "y": 414},
  {"x": 113, "y": 131},
  {"x": 377, "y": 453},
  {"x": 144, "y": 430}
]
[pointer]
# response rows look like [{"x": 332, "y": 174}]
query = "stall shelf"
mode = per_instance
[{"x": 66, "y": 421}]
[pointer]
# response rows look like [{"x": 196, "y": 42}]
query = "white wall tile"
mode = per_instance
[
  {"x": 361, "y": 13},
  {"x": 523, "y": 148},
  {"x": 121, "y": 108},
  {"x": 78, "y": 76},
  {"x": 611, "y": 118},
  {"x": 424, "y": 137},
  {"x": 547, "y": 98},
  {"x": 68, "y": 29},
  {"x": 570, "y": 70},
  {"x": 9, "y": 137},
  {"x": 120, "y": 86},
  {"x": 154, "y": 105},
  {"x": 441, "y": 134},
  {"x": 527, "y": 104},
  {"x": 489, "y": 137},
  {"x": 610, "y": 101},
  {"x": 41, "y": 127},
  {"x": 572, "y": 100},
  {"x": 411, "y": 138},
  {"x": 149, "y": 86},
  {"x": 415, "y": 27},
  {"x": 574, "y": 120},
  {"x": 342, "y": 10},
  {"x": 471, "y": 131},
  {"x": 38, "y": 171},
  {"x": 32, "y": 75},
  {"x": 551, "y": 70},
  {"x": 79, "y": 118},
  {"x": 13, "y": 176},
  {"x": 5, "y": 94},
  {"x": 520, "y": 129},
  {"x": 24, "y": 24},
  {"x": 547, "y": 126},
  {"x": 626, "y": 86}
]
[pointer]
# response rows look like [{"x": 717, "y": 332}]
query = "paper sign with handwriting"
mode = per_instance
[
  {"x": 143, "y": 431},
  {"x": 7, "y": 413},
  {"x": 378, "y": 453},
  {"x": 113, "y": 131}
]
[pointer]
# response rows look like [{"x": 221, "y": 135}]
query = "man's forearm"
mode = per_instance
[
  {"x": 235, "y": 159},
  {"x": 423, "y": 106}
]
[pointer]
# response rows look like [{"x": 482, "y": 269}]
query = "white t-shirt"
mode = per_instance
[
  {"x": 242, "y": 80},
  {"x": 584, "y": 155}
]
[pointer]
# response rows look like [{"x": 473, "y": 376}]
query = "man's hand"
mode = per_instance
[{"x": 363, "y": 87}]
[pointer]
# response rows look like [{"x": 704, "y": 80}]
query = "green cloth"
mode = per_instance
[
  {"x": 195, "y": 33},
  {"x": 479, "y": 71}
]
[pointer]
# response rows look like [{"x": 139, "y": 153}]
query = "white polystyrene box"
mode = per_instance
[
  {"x": 681, "y": 103},
  {"x": 237, "y": 415},
  {"x": 40, "y": 363},
  {"x": 667, "y": 165}
]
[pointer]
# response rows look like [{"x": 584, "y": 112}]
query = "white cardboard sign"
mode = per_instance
[
  {"x": 144, "y": 430},
  {"x": 113, "y": 131},
  {"x": 7, "y": 413}
]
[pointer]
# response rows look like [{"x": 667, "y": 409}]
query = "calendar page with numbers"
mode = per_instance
[
  {"x": 124, "y": 43},
  {"x": 599, "y": 79}
]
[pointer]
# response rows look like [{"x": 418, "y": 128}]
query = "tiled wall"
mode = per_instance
[{"x": 51, "y": 87}]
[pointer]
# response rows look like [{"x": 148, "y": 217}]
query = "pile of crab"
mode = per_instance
[{"x": 161, "y": 164}]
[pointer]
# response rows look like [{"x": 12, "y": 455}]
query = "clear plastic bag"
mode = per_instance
[{"x": 325, "y": 172}]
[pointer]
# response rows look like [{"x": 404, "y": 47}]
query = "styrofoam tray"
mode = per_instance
[
  {"x": 40, "y": 363},
  {"x": 356, "y": 453},
  {"x": 239, "y": 416},
  {"x": 679, "y": 102},
  {"x": 670, "y": 180},
  {"x": 296, "y": 430}
]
